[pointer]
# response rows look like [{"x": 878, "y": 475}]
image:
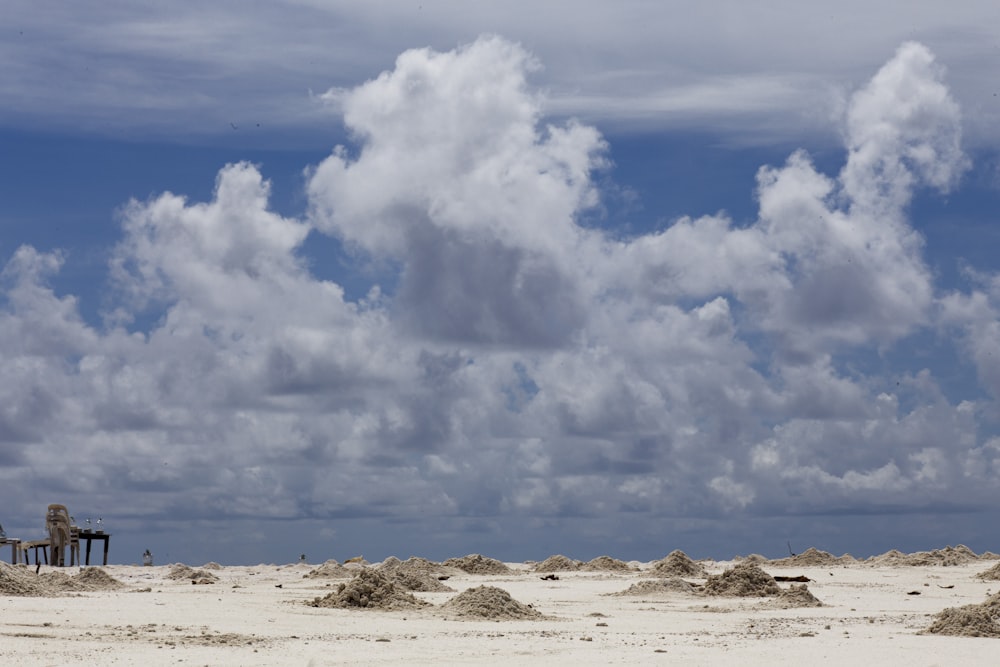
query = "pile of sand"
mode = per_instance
[
  {"x": 606, "y": 564},
  {"x": 414, "y": 574},
  {"x": 95, "y": 579},
  {"x": 671, "y": 586},
  {"x": 414, "y": 565},
  {"x": 959, "y": 555},
  {"x": 489, "y": 602},
  {"x": 412, "y": 581},
  {"x": 211, "y": 565},
  {"x": 890, "y": 558},
  {"x": 972, "y": 620},
  {"x": 369, "y": 589},
  {"x": 678, "y": 564},
  {"x": 21, "y": 582},
  {"x": 752, "y": 558},
  {"x": 17, "y": 581},
  {"x": 992, "y": 574},
  {"x": 743, "y": 580},
  {"x": 54, "y": 582},
  {"x": 331, "y": 569},
  {"x": 813, "y": 557},
  {"x": 558, "y": 563},
  {"x": 476, "y": 564},
  {"x": 797, "y": 595},
  {"x": 180, "y": 571}
]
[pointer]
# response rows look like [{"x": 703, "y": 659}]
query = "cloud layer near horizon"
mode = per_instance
[
  {"x": 512, "y": 361},
  {"x": 192, "y": 68}
]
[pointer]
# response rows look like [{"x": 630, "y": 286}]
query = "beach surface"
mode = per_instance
[{"x": 475, "y": 610}]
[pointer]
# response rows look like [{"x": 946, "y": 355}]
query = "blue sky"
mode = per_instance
[{"x": 443, "y": 277}]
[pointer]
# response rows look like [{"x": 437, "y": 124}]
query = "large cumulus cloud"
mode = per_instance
[
  {"x": 508, "y": 360},
  {"x": 457, "y": 182}
]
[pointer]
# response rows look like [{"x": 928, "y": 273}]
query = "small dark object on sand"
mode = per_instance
[
  {"x": 550, "y": 577},
  {"x": 799, "y": 578}
]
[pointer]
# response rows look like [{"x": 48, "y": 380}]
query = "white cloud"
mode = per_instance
[
  {"x": 223, "y": 251},
  {"x": 456, "y": 182},
  {"x": 191, "y": 68},
  {"x": 902, "y": 128},
  {"x": 829, "y": 261},
  {"x": 977, "y": 316},
  {"x": 513, "y": 362}
]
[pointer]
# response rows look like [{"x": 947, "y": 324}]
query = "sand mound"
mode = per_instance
[
  {"x": 53, "y": 582},
  {"x": 959, "y": 555},
  {"x": 678, "y": 564},
  {"x": 671, "y": 586},
  {"x": 972, "y": 620},
  {"x": 606, "y": 564},
  {"x": 948, "y": 556},
  {"x": 414, "y": 574},
  {"x": 797, "y": 595},
  {"x": 21, "y": 582},
  {"x": 370, "y": 589},
  {"x": 179, "y": 571},
  {"x": 757, "y": 559},
  {"x": 891, "y": 557},
  {"x": 331, "y": 569},
  {"x": 558, "y": 563},
  {"x": 489, "y": 602},
  {"x": 211, "y": 565},
  {"x": 96, "y": 579},
  {"x": 992, "y": 574},
  {"x": 17, "y": 581},
  {"x": 413, "y": 565},
  {"x": 812, "y": 557},
  {"x": 476, "y": 564},
  {"x": 743, "y": 580},
  {"x": 425, "y": 583}
]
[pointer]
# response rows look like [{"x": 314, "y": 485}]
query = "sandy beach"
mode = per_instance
[{"x": 559, "y": 611}]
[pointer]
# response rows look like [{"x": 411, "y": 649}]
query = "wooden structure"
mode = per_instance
[
  {"x": 15, "y": 548},
  {"x": 63, "y": 537}
]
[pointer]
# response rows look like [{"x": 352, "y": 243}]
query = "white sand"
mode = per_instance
[{"x": 245, "y": 619}]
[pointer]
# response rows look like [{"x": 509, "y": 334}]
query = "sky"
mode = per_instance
[{"x": 436, "y": 278}]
